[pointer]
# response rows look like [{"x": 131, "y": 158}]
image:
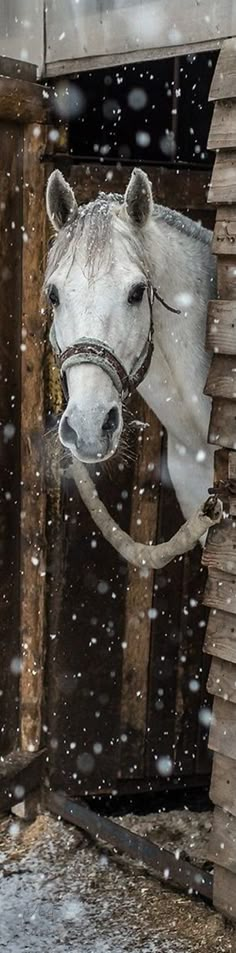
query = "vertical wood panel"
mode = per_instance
[
  {"x": 33, "y": 500},
  {"x": 139, "y": 598},
  {"x": 10, "y": 311}
]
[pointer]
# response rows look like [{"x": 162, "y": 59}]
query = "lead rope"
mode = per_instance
[{"x": 165, "y": 305}]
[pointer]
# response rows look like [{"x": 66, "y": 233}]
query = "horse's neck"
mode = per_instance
[{"x": 174, "y": 385}]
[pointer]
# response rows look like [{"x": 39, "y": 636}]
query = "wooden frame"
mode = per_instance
[
  {"x": 219, "y": 555},
  {"x": 23, "y": 112}
]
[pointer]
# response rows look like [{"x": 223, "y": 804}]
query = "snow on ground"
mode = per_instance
[{"x": 60, "y": 892}]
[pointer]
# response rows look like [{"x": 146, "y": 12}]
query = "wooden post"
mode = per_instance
[
  {"x": 220, "y": 553},
  {"x": 33, "y": 496}
]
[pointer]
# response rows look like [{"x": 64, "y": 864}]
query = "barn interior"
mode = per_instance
[{"x": 105, "y": 707}]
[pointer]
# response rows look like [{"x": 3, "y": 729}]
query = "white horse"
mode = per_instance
[{"x": 106, "y": 261}]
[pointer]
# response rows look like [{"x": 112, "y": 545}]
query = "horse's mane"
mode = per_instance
[{"x": 183, "y": 224}]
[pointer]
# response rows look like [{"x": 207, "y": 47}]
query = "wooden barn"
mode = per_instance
[{"x": 105, "y": 671}]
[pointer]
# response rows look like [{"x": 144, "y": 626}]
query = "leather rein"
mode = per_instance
[{"x": 91, "y": 351}]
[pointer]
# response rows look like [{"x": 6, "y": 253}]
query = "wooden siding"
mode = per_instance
[{"x": 219, "y": 555}]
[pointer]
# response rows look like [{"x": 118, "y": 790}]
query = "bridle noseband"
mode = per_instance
[{"x": 91, "y": 351}]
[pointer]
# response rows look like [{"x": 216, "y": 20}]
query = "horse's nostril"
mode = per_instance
[{"x": 111, "y": 422}]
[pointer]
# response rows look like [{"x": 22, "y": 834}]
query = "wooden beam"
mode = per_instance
[
  {"x": 222, "y": 841},
  {"x": 222, "y": 679},
  {"x": 223, "y": 85},
  {"x": 17, "y": 69},
  {"x": 220, "y": 591},
  {"x": 189, "y": 188},
  {"x": 23, "y": 101},
  {"x": 33, "y": 501},
  {"x": 224, "y": 892},
  {"x": 221, "y": 380},
  {"x": 222, "y": 737},
  {"x": 224, "y": 236},
  {"x": 223, "y": 126},
  {"x": 137, "y": 631},
  {"x": 223, "y": 783},
  {"x": 70, "y": 66},
  {"x": 222, "y": 188},
  {"x": 220, "y": 552},
  {"x": 220, "y": 638},
  {"x": 221, "y": 327},
  {"x": 222, "y": 431}
]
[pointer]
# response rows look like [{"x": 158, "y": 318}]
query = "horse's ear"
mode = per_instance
[
  {"x": 60, "y": 200},
  {"x": 138, "y": 198}
]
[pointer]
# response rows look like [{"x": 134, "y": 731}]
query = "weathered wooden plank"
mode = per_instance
[
  {"x": 221, "y": 380},
  {"x": 220, "y": 592},
  {"x": 226, "y": 278},
  {"x": 17, "y": 69},
  {"x": 222, "y": 736},
  {"x": 222, "y": 430},
  {"x": 220, "y": 549},
  {"x": 223, "y": 85},
  {"x": 33, "y": 501},
  {"x": 222, "y": 679},
  {"x": 187, "y": 189},
  {"x": 223, "y": 783},
  {"x": 137, "y": 629},
  {"x": 68, "y": 66},
  {"x": 221, "y": 327},
  {"x": 23, "y": 101},
  {"x": 220, "y": 640},
  {"x": 224, "y": 892},
  {"x": 222, "y": 188},
  {"x": 222, "y": 842},
  {"x": 10, "y": 339},
  {"x": 225, "y": 466},
  {"x": 115, "y": 29},
  {"x": 222, "y": 133},
  {"x": 224, "y": 235}
]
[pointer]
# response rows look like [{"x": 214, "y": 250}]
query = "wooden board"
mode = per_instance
[
  {"x": 222, "y": 737},
  {"x": 220, "y": 549},
  {"x": 222, "y": 842},
  {"x": 126, "y": 26},
  {"x": 221, "y": 380},
  {"x": 223, "y": 126},
  {"x": 69, "y": 66},
  {"x": 224, "y": 892},
  {"x": 17, "y": 69},
  {"x": 222, "y": 680},
  {"x": 224, "y": 236},
  {"x": 226, "y": 278},
  {"x": 11, "y": 167},
  {"x": 220, "y": 638},
  {"x": 22, "y": 30},
  {"x": 224, "y": 80},
  {"x": 183, "y": 190},
  {"x": 23, "y": 101},
  {"x": 223, "y": 783},
  {"x": 222, "y": 188},
  {"x": 222, "y": 429},
  {"x": 221, "y": 327},
  {"x": 139, "y": 599},
  {"x": 220, "y": 591},
  {"x": 33, "y": 498}
]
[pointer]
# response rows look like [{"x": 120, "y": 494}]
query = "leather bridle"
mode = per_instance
[{"x": 91, "y": 351}]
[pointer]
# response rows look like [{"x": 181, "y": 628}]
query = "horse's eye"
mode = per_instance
[
  {"x": 53, "y": 296},
  {"x": 136, "y": 294}
]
